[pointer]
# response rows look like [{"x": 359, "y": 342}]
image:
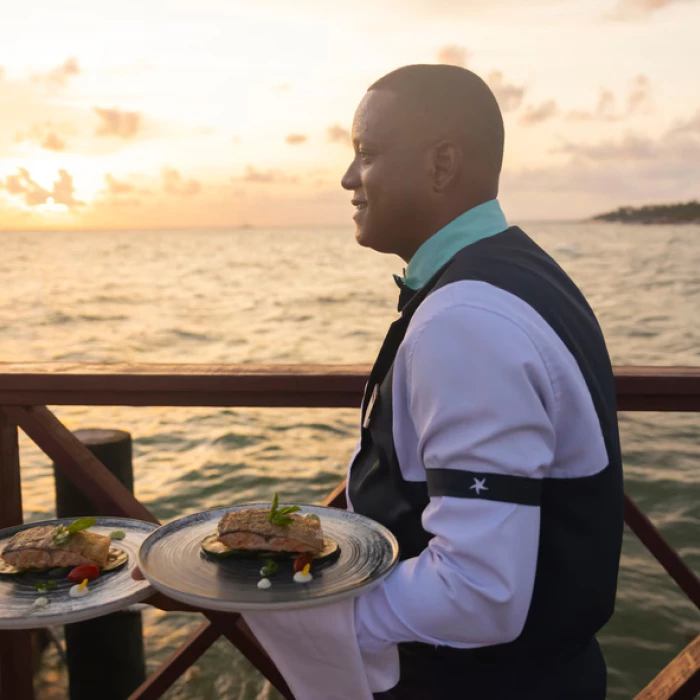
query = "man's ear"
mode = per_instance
[{"x": 446, "y": 164}]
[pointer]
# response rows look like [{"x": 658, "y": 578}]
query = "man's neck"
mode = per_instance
[{"x": 444, "y": 217}]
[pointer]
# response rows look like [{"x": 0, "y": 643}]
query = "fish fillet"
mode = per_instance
[
  {"x": 35, "y": 549},
  {"x": 250, "y": 529}
]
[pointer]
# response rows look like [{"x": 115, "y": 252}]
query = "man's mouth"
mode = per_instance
[{"x": 359, "y": 204}]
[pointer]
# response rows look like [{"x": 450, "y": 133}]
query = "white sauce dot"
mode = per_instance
[
  {"x": 299, "y": 577},
  {"x": 264, "y": 583},
  {"x": 78, "y": 592},
  {"x": 40, "y": 602}
]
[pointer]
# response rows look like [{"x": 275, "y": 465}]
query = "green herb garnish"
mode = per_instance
[
  {"x": 63, "y": 533},
  {"x": 117, "y": 535},
  {"x": 45, "y": 586},
  {"x": 280, "y": 516},
  {"x": 269, "y": 568}
]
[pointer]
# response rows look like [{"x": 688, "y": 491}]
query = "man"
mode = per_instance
[{"x": 489, "y": 442}]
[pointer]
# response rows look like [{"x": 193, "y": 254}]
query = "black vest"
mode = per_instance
[{"x": 581, "y": 518}]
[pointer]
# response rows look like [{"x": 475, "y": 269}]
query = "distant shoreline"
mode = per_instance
[{"x": 681, "y": 213}]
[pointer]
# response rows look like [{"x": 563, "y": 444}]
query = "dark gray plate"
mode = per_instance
[
  {"x": 173, "y": 562},
  {"x": 111, "y": 592}
]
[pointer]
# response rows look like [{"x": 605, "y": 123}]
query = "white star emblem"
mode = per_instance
[{"x": 479, "y": 485}]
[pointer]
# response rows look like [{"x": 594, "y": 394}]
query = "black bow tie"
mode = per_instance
[{"x": 405, "y": 295}]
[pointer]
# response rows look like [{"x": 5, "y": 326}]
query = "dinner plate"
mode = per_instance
[
  {"x": 172, "y": 560},
  {"x": 110, "y": 592}
]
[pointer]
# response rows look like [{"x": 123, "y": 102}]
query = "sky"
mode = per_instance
[{"x": 203, "y": 113}]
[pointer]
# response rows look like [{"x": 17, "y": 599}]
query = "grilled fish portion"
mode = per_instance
[
  {"x": 251, "y": 529},
  {"x": 35, "y": 549}
]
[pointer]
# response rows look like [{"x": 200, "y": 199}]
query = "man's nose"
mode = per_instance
[{"x": 351, "y": 180}]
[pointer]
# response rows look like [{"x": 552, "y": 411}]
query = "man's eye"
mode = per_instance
[{"x": 365, "y": 156}]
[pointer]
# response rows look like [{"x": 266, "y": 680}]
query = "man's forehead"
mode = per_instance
[{"x": 379, "y": 118}]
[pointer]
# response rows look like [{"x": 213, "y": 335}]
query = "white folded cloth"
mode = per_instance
[{"x": 316, "y": 651}]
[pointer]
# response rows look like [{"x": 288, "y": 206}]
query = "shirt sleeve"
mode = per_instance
[{"x": 481, "y": 403}]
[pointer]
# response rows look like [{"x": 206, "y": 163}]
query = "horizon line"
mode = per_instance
[{"x": 239, "y": 227}]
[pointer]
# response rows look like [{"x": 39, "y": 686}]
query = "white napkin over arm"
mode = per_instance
[{"x": 316, "y": 651}]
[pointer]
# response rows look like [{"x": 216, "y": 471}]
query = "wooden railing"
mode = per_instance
[{"x": 27, "y": 389}]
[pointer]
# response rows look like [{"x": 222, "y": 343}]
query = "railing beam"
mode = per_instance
[
  {"x": 173, "y": 667},
  {"x": 662, "y": 551},
  {"x": 16, "y": 673},
  {"x": 78, "y": 463},
  {"x": 680, "y": 680},
  {"x": 323, "y": 386}
]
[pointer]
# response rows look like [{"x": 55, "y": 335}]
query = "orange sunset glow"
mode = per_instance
[{"x": 220, "y": 113}]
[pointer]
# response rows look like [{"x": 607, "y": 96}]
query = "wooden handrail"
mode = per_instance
[
  {"x": 327, "y": 386},
  {"x": 680, "y": 680}
]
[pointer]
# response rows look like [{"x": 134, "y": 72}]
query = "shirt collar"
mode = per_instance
[{"x": 482, "y": 221}]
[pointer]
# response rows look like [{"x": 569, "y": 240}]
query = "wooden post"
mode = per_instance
[
  {"x": 106, "y": 654},
  {"x": 16, "y": 677}
]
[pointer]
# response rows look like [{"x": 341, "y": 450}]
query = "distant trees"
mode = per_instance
[{"x": 681, "y": 213}]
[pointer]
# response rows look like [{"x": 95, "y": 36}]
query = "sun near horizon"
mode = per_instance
[{"x": 213, "y": 115}]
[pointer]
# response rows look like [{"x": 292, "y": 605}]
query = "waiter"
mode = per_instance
[{"x": 489, "y": 442}]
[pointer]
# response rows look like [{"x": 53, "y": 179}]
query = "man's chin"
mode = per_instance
[
  {"x": 362, "y": 237},
  {"x": 367, "y": 239}
]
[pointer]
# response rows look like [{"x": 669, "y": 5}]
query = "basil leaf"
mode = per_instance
[
  {"x": 117, "y": 535},
  {"x": 81, "y": 524},
  {"x": 270, "y": 568},
  {"x": 280, "y": 516},
  {"x": 44, "y": 586}
]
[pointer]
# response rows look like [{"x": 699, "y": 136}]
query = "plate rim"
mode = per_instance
[
  {"x": 25, "y": 622},
  {"x": 222, "y": 605}
]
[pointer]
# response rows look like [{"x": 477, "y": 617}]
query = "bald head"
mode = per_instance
[{"x": 453, "y": 104}]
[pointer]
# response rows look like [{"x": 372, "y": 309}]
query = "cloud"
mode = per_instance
[
  {"x": 639, "y": 99},
  {"x": 122, "y": 193},
  {"x": 22, "y": 184},
  {"x": 63, "y": 190},
  {"x": 118, "y": 123},
  {"x": 114, "y": 186},
  {"x": 338, "y": 134},
  {"x": 52, "y": 142},
  {"x": 295, "y": 139},
  {"x": 173, "y": 183},
  {"x": 605, "y": 110},
  {"x": 283, "y": 87},
  {"x": 689, "y": 126},
  {"x": 539, "y": 114},
  {"x": 45, "y": 135},
  {"x": 454, "y": 55},
  {"x": 630, "y": 147},
  {"x": 2, "y": 72},
  {"x": 59, "y": 76},
  {"x": 266, "y": 176},
  {"x": 509, "y": 96},
  {"x": 34, "y": 194},
  {"x": 634, "y": 166},
  {"x": 636, "y": 9}
]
